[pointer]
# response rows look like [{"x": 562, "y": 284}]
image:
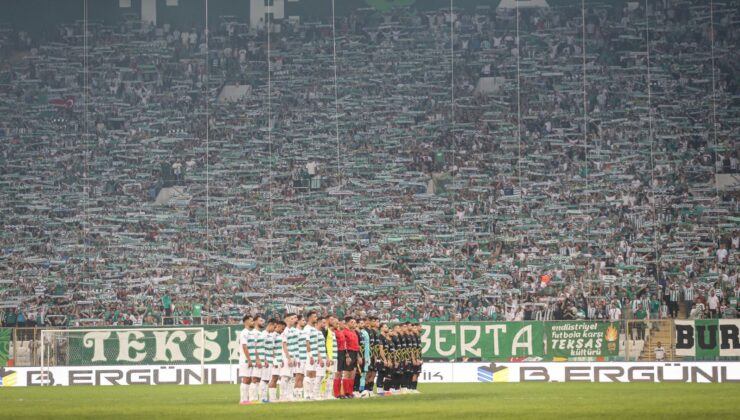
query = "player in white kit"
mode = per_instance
[
  {"x": 315, "y": 357},
  {"x": 309, "y": 369},
  {"x": 277, "y": 359},
  {"x": 255, "y": 371},
  {"x": 288, "y": 340},
  {"x": 256, "y": 391},
  {"x": 301, "y": 358},
  {"x": 245, "y": 359}
]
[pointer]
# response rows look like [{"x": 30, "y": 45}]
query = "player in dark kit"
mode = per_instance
[
  {"x": 407, "y": 361},
  {"x": 393, "y": 373},
  {"x": 383, "y": 358},
  {"x": 416, "y": 337}
]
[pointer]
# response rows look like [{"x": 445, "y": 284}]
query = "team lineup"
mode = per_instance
[{"x": 288, "y": 360}]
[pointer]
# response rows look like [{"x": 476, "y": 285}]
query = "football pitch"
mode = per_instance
[{"x": 461, "y": 401}]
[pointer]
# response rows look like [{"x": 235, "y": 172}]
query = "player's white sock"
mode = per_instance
[
  {"x": 263, "y": 390},
  {"x": 298, "y": 394},
  {"x": 317, "y": 388},
  {"x": 329, "y": 387},
  {"x": 273, "y": 394},
  {"x": 254, "y": 391},
  {"x": 283, "y": 388},
  {"x": 244, "y": 392},
  {"x": 308, "y": 387},
  {"x": 291, "y": 388}
]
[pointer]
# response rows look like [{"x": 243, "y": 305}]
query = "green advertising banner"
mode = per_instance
[
  {"x": 571, "y": 339},
  {"x": 148, "y": 346},
  {"x": 487, "y": 341},
  {"x": 5, "y": 337},
  {"x": 482, "y": 340},
  {"x": 707, "y": 339}
]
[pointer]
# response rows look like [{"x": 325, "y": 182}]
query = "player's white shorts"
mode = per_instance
[
  {"x": 275, "y": 370},
  {"x": 320, "y": 370},
  {"x": 334, "y": 367},
  {"x": 244, "y": 371},
  {"x": 286, "y": 370},
  {"x": 300, "y": 367},
  {"x": 308, "y": 367},
  {"x": 266, "y": 373},
  {"x": 255, "y": 372},
  {"x": 249, "y": 372}
]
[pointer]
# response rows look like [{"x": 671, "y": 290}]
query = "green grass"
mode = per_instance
[{"x": 527, "y": 400}]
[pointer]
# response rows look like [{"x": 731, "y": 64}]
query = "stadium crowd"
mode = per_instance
[{"x": 147, "y": 178}]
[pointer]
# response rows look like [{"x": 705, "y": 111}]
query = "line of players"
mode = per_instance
[{"x": 288, "y": 360}]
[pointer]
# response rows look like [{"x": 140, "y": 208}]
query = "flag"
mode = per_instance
[
  {"x": 545, "y": 280},
  {"x": 292, "y": 309},
  {"x": 68, "y": 102}
]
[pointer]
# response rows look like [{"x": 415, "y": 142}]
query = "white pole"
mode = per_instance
[
  {"x": 42, "y": 357},
  {"x": 203, "y": 356},
  {"x": 230, "y": 367}
]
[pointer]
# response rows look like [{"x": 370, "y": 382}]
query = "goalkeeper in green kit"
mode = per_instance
[{"x": 364, "y": 337}]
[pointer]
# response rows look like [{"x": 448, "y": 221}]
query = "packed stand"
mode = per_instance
[{"x": 119, "y": 206}]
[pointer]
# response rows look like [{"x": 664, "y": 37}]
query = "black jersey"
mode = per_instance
[
  {"x": 417, "y": 346},
  {"x": 384, "y": 343},
  {"x": 411, "y": 346},
  {"x": 395, "y": 348},
  {"x": 373, "y": 342},
  {"x": 405, "y": 347}
]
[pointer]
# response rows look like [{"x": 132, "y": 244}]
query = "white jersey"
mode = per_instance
[
  {"x": 283, "y": 343},
  {"x": 243, "y": 339},
  {"x": 252, "y": 344},
  {"x": 259, "y": 343},
  {"x": 321, "y": 346},
  {"x": 296, "y": 343},
  {"x": 312, "y": 336},
  {"x": 268, "y": 343},
  {"x": 277, "y": 349},
  {"x": 303, "y": 342}
]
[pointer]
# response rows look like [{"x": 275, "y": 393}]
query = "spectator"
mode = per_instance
[
  {"x": 698, "y": 310},
  {"x": 713, "y": 305},
  {"x": 659, "y": 352},
  {"x": 615, "y": 314}
]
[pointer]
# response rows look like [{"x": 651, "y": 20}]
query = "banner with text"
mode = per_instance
[
  {"x": 149, "y": 346},
  {"x": 582, "y": 339},
  {"x": 708, "y": 338},
  {"x": 486, "y": 341},
  {"x": 482, "y": 340},
  {"x": 440, "y": 341},
  {"x": 494, "y": 373},
  {"x": 544, "y": 372}
]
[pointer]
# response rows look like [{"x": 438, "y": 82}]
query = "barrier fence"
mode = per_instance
[{"x": 525, "y": 341}]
